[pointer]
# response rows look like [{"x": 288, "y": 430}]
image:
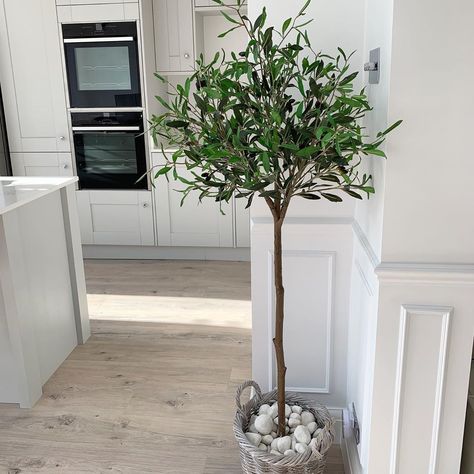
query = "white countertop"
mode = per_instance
[{"x": 17, "y": 191}]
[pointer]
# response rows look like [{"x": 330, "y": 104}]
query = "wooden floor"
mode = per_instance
[{"x": 152, "y": 391}]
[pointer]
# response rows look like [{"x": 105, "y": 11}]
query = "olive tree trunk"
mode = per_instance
[{"x": 279, "y": 320}]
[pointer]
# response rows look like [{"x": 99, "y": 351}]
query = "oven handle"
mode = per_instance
[
  {"x": 106, "y": 129},
  {"x": 103, "y": 39}
]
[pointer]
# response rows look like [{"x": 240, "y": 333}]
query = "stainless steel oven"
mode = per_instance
[
  {"x": 110, "y": 150},
  {"x": 102, "y": 64}
]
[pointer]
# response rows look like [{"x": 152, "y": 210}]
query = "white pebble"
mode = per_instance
[
  {"x": 252, "y": 428},
  {"x": 307, "y": 417},
  {"x": 294, "y": 422},
  {"x": 295, "y": 415},
  {"x": 274, "y": 451},
  {"x": 273, "y": 410},
  {"x": 312, "y": 427},
  {"x": 254, "y": 438},
  {"x": 267, "y": 439},
  {"x": 301, "y": 448},
  {"x": 287, "y": 410},
  {"x": 274, "y": 444},
  {"x": 293, "y": 442},
  {"x": 296, "y": 409},
  {"x": 262, "y": 447},
  {"x": 284, "y": 444},
  {"x": 264, "y": 424},
  {"x": 289, "y": 452},
  {"x": 302, "y": 434},
  {"x": 292, "y": 430},
  {"x": 274, "y": 434},
  {"x": 264, "y": 409},
  {"x": 253, "y": 418}
]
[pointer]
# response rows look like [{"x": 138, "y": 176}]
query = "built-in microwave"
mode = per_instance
[
  {"x": 102, "y": 64},
  {"x": 110, "y": 150}
]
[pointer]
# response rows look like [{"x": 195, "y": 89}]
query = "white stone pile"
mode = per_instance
[{"x": 301, "y": 430}]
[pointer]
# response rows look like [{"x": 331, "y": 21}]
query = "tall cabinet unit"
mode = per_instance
[{"x": 32, "y": 77}]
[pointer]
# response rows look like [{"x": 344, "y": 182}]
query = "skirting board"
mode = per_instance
[
  {"x": 350, "y": 455},
  {"x": 128, "y": 252}
]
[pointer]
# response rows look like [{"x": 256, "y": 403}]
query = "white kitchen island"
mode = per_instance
[{"x": 43, "y": 305}]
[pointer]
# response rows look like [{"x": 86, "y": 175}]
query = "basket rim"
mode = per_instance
[{"x": 242, "y": 417}]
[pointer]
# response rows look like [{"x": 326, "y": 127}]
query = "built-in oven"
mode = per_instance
[
  {"x": 110, "y": 150},
  {"x": 102, "y": 64}
]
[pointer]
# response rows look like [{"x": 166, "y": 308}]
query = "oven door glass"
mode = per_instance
[
  {"x": 110, "y": 160},
  {"x": 103, "y": 74}
]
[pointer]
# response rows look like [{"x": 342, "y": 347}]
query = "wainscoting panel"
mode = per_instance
[
  {"x": 308, "y": 320},
  {"x": 422, "y": 355},
  {"x": 317, "y": 259}
]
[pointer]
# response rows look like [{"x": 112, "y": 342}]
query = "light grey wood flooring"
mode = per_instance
[{"x": 152, "y": 391}]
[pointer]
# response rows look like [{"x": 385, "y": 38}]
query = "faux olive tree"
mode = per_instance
[{"x": 278, "y": 121}]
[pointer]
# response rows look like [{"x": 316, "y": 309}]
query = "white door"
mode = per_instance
[
  {"x": 193, "y": 224},
  {"x": 174, "y": 35},
  {"x": 116, "y": 217},
  {"x": 42, "y": 164},
  {"x": 32, "y": 78}
]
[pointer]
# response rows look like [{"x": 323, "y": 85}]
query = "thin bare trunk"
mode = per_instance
[{"x": 279, "y": 320}]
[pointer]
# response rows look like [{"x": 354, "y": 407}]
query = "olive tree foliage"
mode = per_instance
[{"x": 277, "y": 120}]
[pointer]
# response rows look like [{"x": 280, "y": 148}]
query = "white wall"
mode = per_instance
[
  {"x": 429, "y": 191},
  {"x": 425, "y": 325},
  {"x": 369, "y": 222}
]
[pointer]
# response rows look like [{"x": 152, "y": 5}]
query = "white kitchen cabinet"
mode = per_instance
[
  {"x": 42, "y": 164},
  {"x": 193, "y": 224},
  {"x": 32, "y": 78},
  {"x": 89, "y": 11},
  {"x": 116, "y": 217},
  {"x": 174, "y": 35},
  {"x": 210, "y": 3}
]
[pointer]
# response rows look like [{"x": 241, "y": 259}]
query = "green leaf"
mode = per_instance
[
  {"x": 313, "y": 197},
  {"x": 286, "y": 25},
  {"x": 376, "y": 152},
  {"x": 352, "y": 193},
  {"x": 265, "y": 161},
  {"x": 391, "y": 128},
  {"x": 177, "y": 124},
  {"x": 162, "y": 171},
  {"x": 230, "y": 19},
  {"x": 331, "y": 197},
  {"x": 307, "y": 151}
]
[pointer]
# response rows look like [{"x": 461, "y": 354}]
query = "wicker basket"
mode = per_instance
[{"x": 255, "y": 461}]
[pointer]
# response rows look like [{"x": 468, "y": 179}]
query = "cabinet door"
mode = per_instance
[
  {"x": 116, "y": 217},
  {"x": 42, "y": 164},
  {"x": 174, "y": 35},
  {"x": 193, "y": 224},
  {"x": 32, "y": 77}
]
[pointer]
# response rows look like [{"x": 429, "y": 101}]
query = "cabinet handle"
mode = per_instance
[
  {"x": 187, "y": 55},
  {"x": 65, "y": 166},
  {"x": 145, "y": 204},
  {"x": 62, "y": 138}
]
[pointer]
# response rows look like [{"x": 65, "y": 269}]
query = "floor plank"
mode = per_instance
[{"x": 146, "y": 394}]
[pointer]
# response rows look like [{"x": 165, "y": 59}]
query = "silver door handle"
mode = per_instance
[
  {"x": 105, "y": 39},
  {"x": 187, "y": 55},
  {"x": 62, "y": 138},
  {"x": 65, "y": 166},
  {"x": 105, "y": 129},
  {"x": 145, "y": 204}
]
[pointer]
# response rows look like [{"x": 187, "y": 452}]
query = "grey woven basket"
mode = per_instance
[{"x": 255, "y": 461}]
